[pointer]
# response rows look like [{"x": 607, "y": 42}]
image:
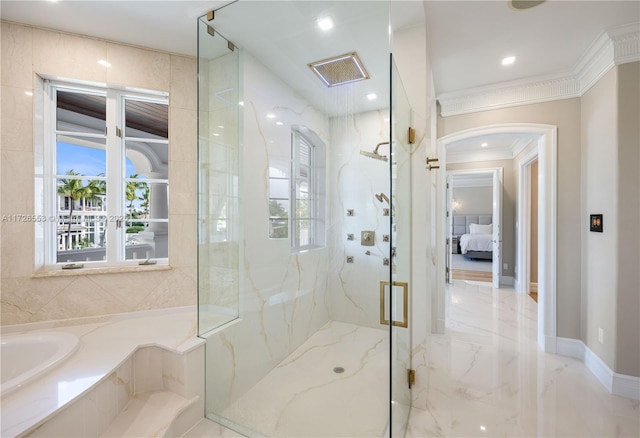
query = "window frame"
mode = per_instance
[
  {"x": 115, "y": 149},
  {"x": 316, "y": 189}
]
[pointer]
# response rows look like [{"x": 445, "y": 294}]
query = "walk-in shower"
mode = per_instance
[{"x": 307, "y": 335}]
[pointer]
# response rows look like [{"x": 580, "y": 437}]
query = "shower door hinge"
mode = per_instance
[
  {"x": 211, "y": 15},
  {"x": 118, "y": 132},
  {"x": 411, "y": 377},
  {"x": 412, "y": 135}
]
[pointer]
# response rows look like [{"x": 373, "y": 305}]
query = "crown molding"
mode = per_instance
[{"x": 614, "y": 47}]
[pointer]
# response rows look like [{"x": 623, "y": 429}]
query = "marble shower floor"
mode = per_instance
[
  {"x": 487, "y": 378},
  {"x": 304, "y": 397}
]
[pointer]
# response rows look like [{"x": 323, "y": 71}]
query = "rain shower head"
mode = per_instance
[
  {"x": 339, "y": 70},
  {"x": 375, "y": 153}
]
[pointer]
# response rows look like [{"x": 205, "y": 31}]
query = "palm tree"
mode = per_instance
[
  {"x": 75, "y": 189},
  {"x": 131, "y": 191}
]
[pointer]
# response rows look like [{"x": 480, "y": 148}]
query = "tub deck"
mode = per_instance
[{"x": 104, "y": 346}]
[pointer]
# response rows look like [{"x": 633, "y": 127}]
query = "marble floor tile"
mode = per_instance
[{"x": 489, "y": 378}]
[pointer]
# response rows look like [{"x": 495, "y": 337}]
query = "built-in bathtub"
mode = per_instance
[
  {"x": 118, "y": 361},
  {"x": 26, "y": 356}
]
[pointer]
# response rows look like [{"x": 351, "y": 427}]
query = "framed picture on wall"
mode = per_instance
[{"x": 595, "y": 223}]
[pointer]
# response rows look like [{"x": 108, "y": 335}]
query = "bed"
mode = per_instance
[{"x": 475, "y": 236}]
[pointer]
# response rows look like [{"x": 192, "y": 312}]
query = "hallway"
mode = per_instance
[{"x": 489, "y": 378}]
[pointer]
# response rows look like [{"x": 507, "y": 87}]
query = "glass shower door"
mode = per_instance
[
  {"x": 400, "y": 292},
  {"x": 218, "y": 180}
]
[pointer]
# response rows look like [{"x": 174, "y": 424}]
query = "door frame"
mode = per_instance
[
  {"x": 547, "y": 224},
  {"x": 497, "y": 181}
]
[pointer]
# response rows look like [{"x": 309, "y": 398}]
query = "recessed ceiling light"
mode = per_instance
[
  {"x": 483, "y": 428},
  {"x": 241, "y": 103},
  {"x": 372, "y": 96},
  {"x": 279, "y": 123},
  {"x": 484, "y": 145},
  {"x": 508, "y": 60},
  {"x": 271, "y": 116},
  {"x": 325, "y": 23},
  {"x": 104, "y": 63},
  {"x": 28, "y": 93}
]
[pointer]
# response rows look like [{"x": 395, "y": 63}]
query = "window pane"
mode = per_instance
[
  {"x": 80, "y": 112},
  {"x": 81, "y": 212},
  {"x": 302, "y": 209},
  {"x": 144, "y": 200},
  {"x": 303, "y": 232},
  {"x": 278, "y": 219},
  {"x": 80, "y": 155},
  {"x": 149, "y": 160},
  {"x": 278, "y": 228},
  {"x": 146, "y": 240},
  {"x": 279, "y": 188},
  {"x": 146, "y": 119}
]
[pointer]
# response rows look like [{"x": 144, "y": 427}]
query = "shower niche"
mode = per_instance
[{"x": 287, "y": 150}]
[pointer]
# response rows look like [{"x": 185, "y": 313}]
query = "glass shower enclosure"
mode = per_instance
[{"x": 304, "y": 216}]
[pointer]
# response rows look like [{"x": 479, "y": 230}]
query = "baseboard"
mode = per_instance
[
  {"x": 598, "y": 368},
  {"x": 570, "y": 347},
  {"x": 617, "y": 384},
  {"x": 507, "y": 280},
  {"x": 626, "y": 386}
]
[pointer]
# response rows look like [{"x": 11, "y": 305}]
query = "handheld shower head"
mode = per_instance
[{"x": 382, "y": 197}]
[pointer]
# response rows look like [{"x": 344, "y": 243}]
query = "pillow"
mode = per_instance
[{"x": 480, "y": 229}]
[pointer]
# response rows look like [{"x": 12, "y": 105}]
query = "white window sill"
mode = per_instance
[{"x": 97, "y": 271}]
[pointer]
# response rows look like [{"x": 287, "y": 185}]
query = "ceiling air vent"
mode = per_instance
[{"x": 340, "y": 70}]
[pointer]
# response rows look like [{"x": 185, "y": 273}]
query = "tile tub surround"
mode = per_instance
[
  {"x": 28, "y": 52},
  {"x": 105, "y": 347},
  {"x": 487, "y": 377}
]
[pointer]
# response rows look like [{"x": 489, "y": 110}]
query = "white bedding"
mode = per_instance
[{"x": 475, "y": 242}]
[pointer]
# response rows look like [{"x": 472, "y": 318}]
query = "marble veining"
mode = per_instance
[{"x": 486, "y": 376}]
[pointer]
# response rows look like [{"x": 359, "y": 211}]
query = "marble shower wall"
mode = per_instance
[
  {"x": 282, "y": 294},
  {"x": 27, "y": 52},
  {"x": 355, "y": 287}
]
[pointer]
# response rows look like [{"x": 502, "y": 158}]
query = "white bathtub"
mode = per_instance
[{"x": 26, "y": 356}]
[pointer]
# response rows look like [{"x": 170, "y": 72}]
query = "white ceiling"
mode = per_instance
[{"x": 467, "y": 39}]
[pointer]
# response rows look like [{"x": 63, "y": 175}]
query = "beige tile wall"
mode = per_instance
[{"x": 28, "y": 51}]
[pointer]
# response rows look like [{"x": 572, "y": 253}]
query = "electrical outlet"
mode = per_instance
[
  {"x": 601, "y": 336},
  {"x": 506, "y": 266}
]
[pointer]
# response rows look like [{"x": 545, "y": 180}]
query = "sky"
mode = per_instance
[{"x": 85, "y": 160}]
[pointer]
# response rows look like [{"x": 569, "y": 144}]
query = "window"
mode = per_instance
[
  {"x": 307, "y": 198},
  {"x": 104, "y": 177}
]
